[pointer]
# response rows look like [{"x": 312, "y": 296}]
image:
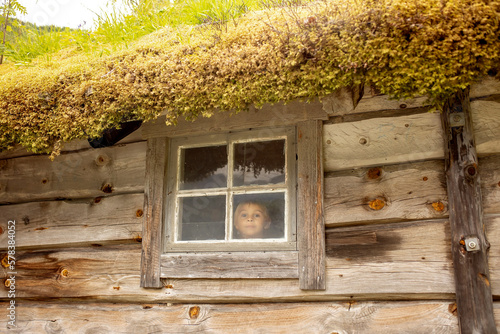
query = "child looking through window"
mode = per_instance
[{"x": 251, "y": 219}]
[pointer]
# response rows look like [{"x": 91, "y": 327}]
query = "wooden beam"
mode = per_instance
[
  {"x": 327, "y": 317},
  {"x": 310, "y": 220},
  {"x": 230, "y": 265},
  {"x": 156, "y": 162},
  {"x": 279, "y": 114},
  {"x": 468, "y": 239}
]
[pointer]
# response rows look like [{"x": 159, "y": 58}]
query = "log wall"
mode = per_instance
[{"x": 388, "y": 261}]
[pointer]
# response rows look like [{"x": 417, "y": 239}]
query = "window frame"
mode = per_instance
[
  {"x": 307, "y": 263},
  {"x": 289, "y": 242}
]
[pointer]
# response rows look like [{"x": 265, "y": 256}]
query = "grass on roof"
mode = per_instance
[{"x": 405, "y": 48}]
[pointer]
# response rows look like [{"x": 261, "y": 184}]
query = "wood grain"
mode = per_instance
[
  {"x": 434, "y": 317},
  {"x": 75, "y": 145},
  {"x": 413, "y": 191},
  {"x": 156, "y": 164},
  {"x": 400, "y": 261},
  {"x": 102, "y": 220},
  {"x": 279, "y": 114},
  {"x": 382, "y": 141},
  {"x": 85, "y": 174},
  {"x": 310, "y": 219},
  {"x": 231, "y": 265},
  {"x": 471, "y": 271},
  {"x": 391, "y": 140},
  {"x": 489, "y": 173}
]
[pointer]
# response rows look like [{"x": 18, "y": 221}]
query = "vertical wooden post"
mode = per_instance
[
  {"x": 153, "y": 207},
  {"x": 468, "y": 240},
  {"x": 311, "y": 231}
]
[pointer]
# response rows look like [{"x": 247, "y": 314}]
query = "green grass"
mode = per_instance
[{"x": 116, "y": 29}]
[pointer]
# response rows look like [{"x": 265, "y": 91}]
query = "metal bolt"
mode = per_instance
[
  {"x": 457, "y": 118},
  {"x": 472, "y": 244}
]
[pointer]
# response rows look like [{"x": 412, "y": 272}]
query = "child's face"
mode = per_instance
[{"x": 251, "y": 221}]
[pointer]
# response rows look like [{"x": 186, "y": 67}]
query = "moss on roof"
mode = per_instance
[{"x": 403, "y": 47}]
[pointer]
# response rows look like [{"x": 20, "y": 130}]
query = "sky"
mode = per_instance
[{"x": 63, "y": 13}]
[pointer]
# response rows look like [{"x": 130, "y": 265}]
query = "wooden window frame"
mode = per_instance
[
  {"x": 307, "y": 263},
  {"x": 287, "y": 243}
]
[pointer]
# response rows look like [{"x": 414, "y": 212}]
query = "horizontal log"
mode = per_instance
[
  {"x": 489, "y": 173},
  {"x": 385, "y": 261},
  {"x": 338, "y": 104},
  {"x": 75, "y": 145},
  {"x": 83, "y": 174},
  {"x": 412, "y": 191},
  {"x": 391, "y": 140},
  {"x": 102, "y": 220},
  {"x": 349, "y": 317},
  {"x": 231, "y": 265},
  {"x": 382, "y": 141},
  {"x": 279, "y": 114}
]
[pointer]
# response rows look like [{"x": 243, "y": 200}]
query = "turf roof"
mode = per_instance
[{"x": 405, "y": 48}]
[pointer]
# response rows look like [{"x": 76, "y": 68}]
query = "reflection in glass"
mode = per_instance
[
  {"x": 260, "y": 162},
  {"x": 258, "y": 216},
  {"x": 202, "y": 218},
  {"x": 203, "y": 167}
]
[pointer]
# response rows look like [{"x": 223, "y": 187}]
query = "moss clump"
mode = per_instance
[{"x": 403, "y": 47}]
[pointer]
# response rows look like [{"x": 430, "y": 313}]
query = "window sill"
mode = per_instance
[{"x": 230, "y": 265}]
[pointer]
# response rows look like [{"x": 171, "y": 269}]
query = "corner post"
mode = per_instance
[{"x": 469, "y": 246}]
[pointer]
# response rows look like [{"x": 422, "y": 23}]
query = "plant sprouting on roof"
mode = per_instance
[{"x": 404, "y": 48}]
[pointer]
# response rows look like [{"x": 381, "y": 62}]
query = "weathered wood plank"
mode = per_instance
[
  {"x": 391, "y": 193},
  {"x": 489, "y": 172},
  {"x": 391, "y": 140},
  {"x": 102, "y": 220},
  {"x": 382, "y": 141},
  {"x": 352, "y": 317},
  {"x": 85, "y": 174},
  {"x": 486, "y": 125},
  {"x": 413, "y": 191},
  {"x": 279, "y": 114},
  {"x": 75, "y": 145},
  {"x": 385, "y": 261},
  {"x": 231, "y": 265},
  {"x": 310, "y": 218},
  {"x": 340, "y": 103},
  {"x": 472, "y": 279},
  {"x": 156, "y": 165}
]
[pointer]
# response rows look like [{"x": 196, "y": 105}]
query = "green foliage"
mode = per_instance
[{"x": 403, "y": 47}]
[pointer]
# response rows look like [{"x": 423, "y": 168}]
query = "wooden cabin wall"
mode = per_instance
[{"x": 389, "y": 267}]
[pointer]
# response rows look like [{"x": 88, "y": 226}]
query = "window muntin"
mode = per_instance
[{"x": 216, "y": 174}]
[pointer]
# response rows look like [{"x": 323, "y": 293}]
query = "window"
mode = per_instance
[
  {"x": 196, "y": 184},
  {"x": 232, "y": 192}
]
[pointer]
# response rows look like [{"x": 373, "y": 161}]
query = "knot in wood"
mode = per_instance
[
  {"x": 5, "y": 261},
  {"x": 374, "y": 173},
  {"x": 194, "y": 312},
  {"x": 102, "y": 160},
  {"x": 376, "y": 204},
  {"x": 438, "y": 206},
  {"x": 64, "y": 272},
  {"x": 139, "y": 213},
  {"x": 107, "y": 188}
]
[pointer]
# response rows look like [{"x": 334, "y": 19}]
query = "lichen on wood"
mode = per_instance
[{"x": 404, "y": 48}]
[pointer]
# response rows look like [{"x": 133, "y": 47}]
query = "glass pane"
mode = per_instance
[
  {"x": 260, "y": 162},
  {"x": 203, "y": 167},
  {"x": 258, "y": 216},
  {"x": 202, "y": 218}
]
